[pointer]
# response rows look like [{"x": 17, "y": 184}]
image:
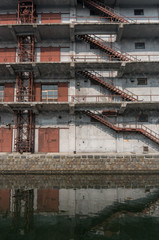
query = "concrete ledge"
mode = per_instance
[{"x": 79, "y": 163}]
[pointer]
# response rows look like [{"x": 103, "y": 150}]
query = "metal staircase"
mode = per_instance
[
  {"x": 140, "y": 128},
  {"x": 106, "y": 11},
  {"x": 105, "y": 46},
  {"x": 126, "y": 95}
]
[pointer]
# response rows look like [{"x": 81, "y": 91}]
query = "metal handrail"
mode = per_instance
[
  {"x": 112, "y": 83},
  {"x": 114, "y": 48},
  {"x": 110, "y": 9}
]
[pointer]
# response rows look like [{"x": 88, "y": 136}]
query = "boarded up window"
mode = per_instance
[
  {"x": 9, "y": 92},
  {"x": 48, "y": 200},
  {"x": 5, "y": 140},
  {"x": 51, "y": 18},
  {"x": 8, "y": 19},
  {"x": 63, "y": 92},
  {"x": 7, "y": 55},
  {"x": 50, "y": 54},
  {"x": 48, "y": 140}
]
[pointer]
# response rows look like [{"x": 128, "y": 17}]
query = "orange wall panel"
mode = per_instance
[
  {"x": 48, "y": 140},
  {"x": 5, "y": 140},
  {"x": 4, "y": 200},
  {"x": 8, "y": 19},
  {"x": 51, "y": 18},
  {"x": 50, "y": 54},
  {"x": 62, "y": 92},
  {"x": 7, "y": 55},
  {"x": 37, "y": 91},
  {"x": 9, "y": 92},
  {"x": 48, "y": 200}
]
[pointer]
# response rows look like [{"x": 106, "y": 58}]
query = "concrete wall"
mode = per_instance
[
  {"x": 82, "y": 134},
  {"x": 82, "y": 14},
  {"x": 78, "y": 133},
  {"x": 92, "y": 201}
]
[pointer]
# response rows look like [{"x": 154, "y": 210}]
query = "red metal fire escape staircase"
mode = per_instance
[
  {"x": 106, "y": 11},
  {"x": 126, "y": 95},
  {"x": 26, "y": 11},
  {"x": 140, "y": 128},
  {"x": 105, "y": 46},
  {"x": 25, "y": 118}
]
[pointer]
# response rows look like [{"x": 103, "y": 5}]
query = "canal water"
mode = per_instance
[{"x": 79, "y": 207}]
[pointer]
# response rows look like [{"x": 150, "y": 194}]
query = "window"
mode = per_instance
[
  {"x": 49, "y": 93},
  {"x": 92, "y": 12},
  {"x": 141, "y": 81},
  {"x": 140, "y": 45},
  {"x": 145, "y": 149},
  {"x": 138, "y": 11},
  {"x": 143, "y": 118},
  {"x": 1, "y": 93},
  {"x": 93, "y": 46}
]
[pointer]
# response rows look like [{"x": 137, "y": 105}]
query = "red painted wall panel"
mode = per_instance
[
  {"x": 51, "y": 18},
  {"x": 48, "y": 200},
  {"x": 50, "y": 54},
  {"x": 4, "y": 200},
  {"x": 37, "y": 87},
  {"x": 7, "y": 54},
  {"x": 5, "y": 140},
  {"x": 62, "y": 92},
  {"x": 9, "y": 92},
  {"x": 8, "y": 19},
  {"x": 48, "y": 140}
]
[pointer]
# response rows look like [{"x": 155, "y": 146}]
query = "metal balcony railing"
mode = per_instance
[{"x": 82, "y": 19}]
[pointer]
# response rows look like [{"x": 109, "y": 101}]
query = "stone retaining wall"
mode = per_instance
[
  {"x": 50, "y": 163},
  {"x": 83, "y": 181}
]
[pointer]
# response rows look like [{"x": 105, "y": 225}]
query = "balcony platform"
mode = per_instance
[
  {"x": 38, "y": 107},
  {"x": 67, "y": 31},
  {"x": 45, "y": 70}
]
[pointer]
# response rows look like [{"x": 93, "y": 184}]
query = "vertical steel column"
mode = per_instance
[{"x": 25, "y": 125}]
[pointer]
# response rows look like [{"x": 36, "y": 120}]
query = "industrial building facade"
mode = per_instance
[{"x": 79, "y": 76}]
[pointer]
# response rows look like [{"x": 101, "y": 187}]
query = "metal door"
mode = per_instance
[
  {"x": 50, "y": 54},
  {"x": 5, "y": 140},
  {"x": 48, "y": 140}
]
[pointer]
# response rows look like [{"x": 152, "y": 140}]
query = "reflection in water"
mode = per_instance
[{"x": 79, "y": 213}]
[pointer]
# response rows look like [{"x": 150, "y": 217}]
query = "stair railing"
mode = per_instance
[{"x": 126, "y": 19}]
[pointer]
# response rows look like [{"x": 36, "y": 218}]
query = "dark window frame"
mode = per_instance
[
  {"x": 145, "y": 148},
  {"x": 143, "y": 117},
  {"x": 92, "y": 13},
  {"x": 140, "y": 45},
  {"x": 139, "y": 12},
  {"x": 141, "y": 81}
]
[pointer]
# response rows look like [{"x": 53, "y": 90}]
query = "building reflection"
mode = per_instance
[{"x": 76, "y": 211}]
